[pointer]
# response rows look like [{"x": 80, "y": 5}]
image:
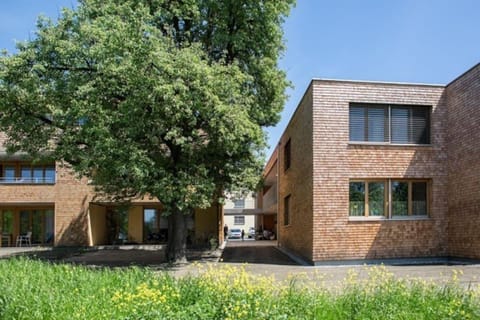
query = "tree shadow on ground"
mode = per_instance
[{"x": 115, "y": 257}]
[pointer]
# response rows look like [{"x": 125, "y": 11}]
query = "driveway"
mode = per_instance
[{"x": 256, "y": 252}]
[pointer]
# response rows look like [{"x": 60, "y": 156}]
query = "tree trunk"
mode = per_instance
[{"x": 177, "y": 237}]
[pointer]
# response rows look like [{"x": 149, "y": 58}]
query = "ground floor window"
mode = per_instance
[
  {"x": 388, "y": 198},
  {"x": 38, "y": 221},
  {"x": 117, "y": 225},
  {"x": 239, "y": 220},
  {"x": 155, "y": 227}
]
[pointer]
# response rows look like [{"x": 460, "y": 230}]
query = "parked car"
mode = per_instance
[
  {"x": 234, "y": 234},
  {"x": 251, "y": 233}
]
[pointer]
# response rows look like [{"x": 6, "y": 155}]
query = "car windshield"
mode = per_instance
[{"x": 235, "y": 230}]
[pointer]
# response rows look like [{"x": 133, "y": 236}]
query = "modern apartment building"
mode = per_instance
[
  {"x": 61, "y": 210},
  {"x": 376, "y": 170}
]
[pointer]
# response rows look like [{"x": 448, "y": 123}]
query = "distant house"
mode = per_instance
[
  {"x": 377, "y": 170},
  {"x": 240, "y": 212}
]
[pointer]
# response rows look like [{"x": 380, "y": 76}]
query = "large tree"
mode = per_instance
[{"x": 159, "y": 97}]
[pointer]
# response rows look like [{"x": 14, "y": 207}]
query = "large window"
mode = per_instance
[
  {"x": 370, "y": 198},
  {"x": 396, "y": 124},
  {"x": 40, "y": 222},
  {"x": 26, "y": 173}
]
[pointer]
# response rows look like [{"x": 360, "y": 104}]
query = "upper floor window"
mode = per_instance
[
  {"x": 396, "y": 124},
  {"x": 239, "y": 203},
  {"x": 26, "y": 173},
  {"x": 287, "y": 155}
]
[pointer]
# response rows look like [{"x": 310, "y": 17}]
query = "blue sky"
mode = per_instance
[{"x": 423, "y": 41}]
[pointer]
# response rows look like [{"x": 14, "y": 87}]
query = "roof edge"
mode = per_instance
[
  {"x": 464, "y": 73},
  {"x": 381, "y": 82}
]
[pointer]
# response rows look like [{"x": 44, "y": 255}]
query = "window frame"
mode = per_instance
[
  {"x": 388, "y": 210},
  {"x": 18, "y": 168},
  {"x": 242, "y": 218},
  {"x": 388, "y": 123}
]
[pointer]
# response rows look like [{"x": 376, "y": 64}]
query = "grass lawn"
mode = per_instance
[{"x": 31, "y": 289}]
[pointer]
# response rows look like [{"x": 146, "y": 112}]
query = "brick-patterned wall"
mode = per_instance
[
  {"x": 463, "y": 98},
  {"x": 335, "y": 161},
  {"x": 297, "y": 181}
]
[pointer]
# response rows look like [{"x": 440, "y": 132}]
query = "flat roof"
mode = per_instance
[{"x": 381, "y": 82}]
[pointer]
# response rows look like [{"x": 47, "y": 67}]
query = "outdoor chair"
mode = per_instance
[{"x": 27, "y": 239}]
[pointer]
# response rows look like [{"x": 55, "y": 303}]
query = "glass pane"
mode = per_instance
[
  {"x": 150, "y": 225},
  {"x": 38, "y": 175},
  {"x": 399, "y": 198},
  {"x": 37, "y": 226},
  {"x": 357, "y": 124},
  {"x": 48, "y": 234},
  {"x": 9, "y": 174},
  {"x": 7, "y": 222},
  {"x": 420, "y": 125},
  {"x": 376, "y": 198},
  {"x": 357, "y": 199},
  {"x": 399, "y": 125},
  {"x": 50, "y": 175},
  {"x": 419, "y": 198},
  {"x": 24, "y": 221},
  {"x": 376, "y": 124},
  {"x": 26, "y": 173}
]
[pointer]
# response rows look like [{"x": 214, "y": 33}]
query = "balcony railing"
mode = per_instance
[{"x": 20, "y": 180}]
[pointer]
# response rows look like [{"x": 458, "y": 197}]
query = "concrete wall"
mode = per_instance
[
  {"x": 463, "y": 97},
  {"x": 336, "y": 161},
  {"x": 296, "y": 181}
]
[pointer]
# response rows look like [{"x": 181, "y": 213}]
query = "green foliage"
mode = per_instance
[
  {"x": 36, "y": 290},
  {"x": 160, "y": 97}
]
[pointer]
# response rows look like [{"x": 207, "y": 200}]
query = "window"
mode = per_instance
[
  {"x": 9, "y": 174},
  {"x": 155, "y": 226},
  {"x": 287, "y": 155},
  {"x": 370, "y": 198},
  {"x": 367, "y": 198},
  {"x": 286, "y": 210},
  {"x": 239, "y": 220},
  {"x": 28, "y": 174},
  {"x": 239, "y": 203},
  {"x": 394, "y": 124}
]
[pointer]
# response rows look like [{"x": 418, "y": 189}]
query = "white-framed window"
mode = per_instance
[{"x": 239, "y": 220}]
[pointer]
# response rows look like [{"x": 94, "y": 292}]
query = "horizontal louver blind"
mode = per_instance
[
  {"x": 357, "y": 123},
  {"x": 377, "y": 130},
  {"x": 420, "y": 125},
  {"x": 394, "y": 124},
  {"x": 399, "y": 119}
]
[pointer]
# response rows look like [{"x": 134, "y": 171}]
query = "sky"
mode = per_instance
[{"x": 420, "y": 41}]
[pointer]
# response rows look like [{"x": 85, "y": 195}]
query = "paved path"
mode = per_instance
[
  {"x": 262, "y": 259},
  {"x": 251, "y": 251}
]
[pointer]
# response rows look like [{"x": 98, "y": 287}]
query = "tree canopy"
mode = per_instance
[{"x": 160, "y": 97}]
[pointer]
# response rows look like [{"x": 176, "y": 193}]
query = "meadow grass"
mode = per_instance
[{"x": 31, "y": 289}]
